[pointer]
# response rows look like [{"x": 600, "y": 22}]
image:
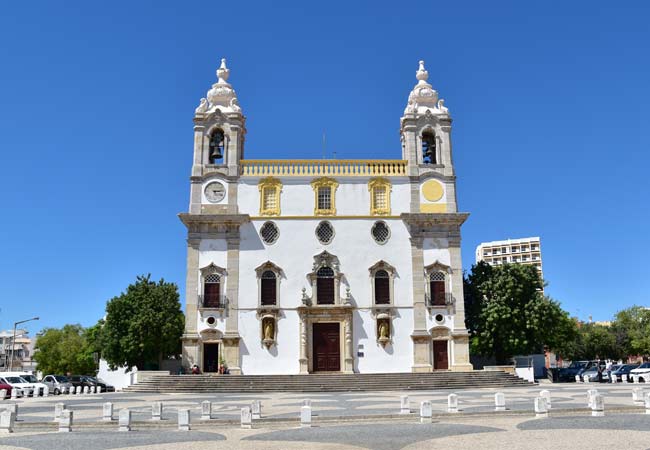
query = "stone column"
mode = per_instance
[
  {"x": 348, "y": 356},
  {"x": 197, "y": 165},
  {"x": 420, "y": 336},
  {"x": 460, "y": 361},
  {"x": 231, "y": 337},
  {"x": 232, "y": 152},
  {"x": 190, "y": 337},
  {"x": 304, "y": 362}
]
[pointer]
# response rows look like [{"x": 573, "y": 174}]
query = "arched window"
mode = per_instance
[
  {"x": 268, "y": 288},
  {"x": 216, "y": 147},
  {"x": 382, "y": 288},
  {"x": 212, "y": 291},
  {"x": 325, "y": 286},
  {"x": 429, "y": 148},
  {"x": 437, "y": 288}
]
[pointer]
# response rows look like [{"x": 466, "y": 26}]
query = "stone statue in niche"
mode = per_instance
[
  {"x": 383, "y": 332},
  {"x": 268, "y": 332}
]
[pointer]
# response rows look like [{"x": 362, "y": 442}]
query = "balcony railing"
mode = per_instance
[
  {"x": 323, "y": 167},
  {"x": 439, "y": 299},
  {"x": 219, "y": 302}
]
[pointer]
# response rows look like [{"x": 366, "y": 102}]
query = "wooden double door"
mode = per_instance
[
  {"x": 440, "y": 356},
  {"x": 326, "y": 347},
  {"x": 210, "y": 357}
]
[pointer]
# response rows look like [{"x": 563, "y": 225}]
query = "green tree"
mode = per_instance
[
  {"x": 596, "y": 341},
  {"x": 63, "y": 350},
  {"x": 143, "y": 325},
  {"x": 507, "y": 314},
  {"x": 632, "y": 329}
]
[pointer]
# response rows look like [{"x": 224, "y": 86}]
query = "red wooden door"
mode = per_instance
[
  {"x": 327, "y": 350},
  {"x": 440, "y": 359}
]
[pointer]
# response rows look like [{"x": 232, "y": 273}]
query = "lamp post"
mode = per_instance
[{"x": 13, "y": 340}]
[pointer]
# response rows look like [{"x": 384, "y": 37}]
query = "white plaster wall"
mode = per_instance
[{"x": 397, "y": 356}]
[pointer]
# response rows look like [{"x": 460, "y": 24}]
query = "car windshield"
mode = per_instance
[
  {"x": 644, "y": 366},
  {"x": 16, "y": 380},
  {"x": 30, "y": 378},
  {"x": 630, "y": 366},
  {"x": 93, "y": 379},
  {"x": 61, "y": 379}
]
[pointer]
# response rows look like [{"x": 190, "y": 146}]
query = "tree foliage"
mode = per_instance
[
  {"x": 631, "y": 328},
  {"x": 595, "y": 341},
  {"x": 68, "y": 349},
  {"x": 507, "y": 314},
  {"x": 143, "y": 325}
]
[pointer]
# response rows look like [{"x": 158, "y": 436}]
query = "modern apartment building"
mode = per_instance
[{"x": 520, "y": 251}]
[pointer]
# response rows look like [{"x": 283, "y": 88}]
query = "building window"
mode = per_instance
[
  {"x": 270, "y": 196},
  {"x": 325, "y": 286},
  {"x": 380, "y": 232},
  {"x": 437, "y": 288},
  {"x": 324, "y": 196},
  {"x": 325, "y": 232},
  {"x": 268, "y": 288},
  {"x": 269, "y": 233},
  {"x": 379, "y": 196},
  {"x": 429, "y": 148},
  {"x": 382, "y": 288},
  {"x": 212, "y": 291},
  {"x": 216, "y": 147}
]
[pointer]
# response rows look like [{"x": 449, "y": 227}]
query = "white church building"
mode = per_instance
[{"x": 303, "y": 266}]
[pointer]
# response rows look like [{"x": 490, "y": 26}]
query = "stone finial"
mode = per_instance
[
  {"x": 422, "y": 75},
  {"x": 223, "y": 72}
]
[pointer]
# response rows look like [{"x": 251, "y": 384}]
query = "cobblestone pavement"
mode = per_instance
[{"x": 366, "y": 420}]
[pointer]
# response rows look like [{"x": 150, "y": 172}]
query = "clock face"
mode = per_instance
[{"x": 215, "y": 192}]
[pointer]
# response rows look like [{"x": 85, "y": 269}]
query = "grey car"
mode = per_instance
[{"x": 57, "y": 384}]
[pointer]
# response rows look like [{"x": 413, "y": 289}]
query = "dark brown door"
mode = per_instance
[
  {"x": 210, "y": 357},
  {"x": 440, "y": 360},
  {"x": 327, "y": 350}
]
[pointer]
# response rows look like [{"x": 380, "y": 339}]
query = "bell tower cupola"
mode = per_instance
[{"x": 219, "y": 129}]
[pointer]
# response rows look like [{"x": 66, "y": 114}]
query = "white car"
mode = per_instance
[
  {"x": 642, "y": 373},
  {"x": 19, "y": 383},
  {"x": 38, "y": 387}
]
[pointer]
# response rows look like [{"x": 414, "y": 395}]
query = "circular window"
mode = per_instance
[
  {"x": 439, "y": 318},
  {"x": 325, "y": 232},
  {"x": 269, "y": 232},
  {"x": 380, "y": 232},
  {"x": 211, "y": 320}
]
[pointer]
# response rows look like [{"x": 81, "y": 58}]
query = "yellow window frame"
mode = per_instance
[
  {"x": 373, "y": 186},
  {"x": 333, "y": 185},
  {"x": 270, "y": 185}
]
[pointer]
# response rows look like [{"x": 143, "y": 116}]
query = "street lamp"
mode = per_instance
[{"x": 13, "y": 341}]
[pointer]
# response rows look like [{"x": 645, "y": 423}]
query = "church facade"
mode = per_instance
[{"x": 303, "y": 266}]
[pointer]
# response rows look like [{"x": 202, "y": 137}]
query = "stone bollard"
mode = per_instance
[
  {"x": 124, "y": 419},
  {"x": 425, "y": 412},
  {"x": 591, "y": 393},
  {"x": 598, "y": 406},
  {"x": 613, "y": 379},
  {"x": 206, "y": 410},
  {"x": 7, "y": 419},
  {"x": 184, "y": 419},
  {"x": 452, "y": 403},
  {"x": 305, "y": 417},
  {"x": 499, "y": 401},
  {"x": 156, "y": 411},
  {"x": 79, "y": 390},
  {"x": 256, "y": 409},
  {"x": 247, "y": 418},
  {"x": 578, "y": 380},
  {"x": 546, "y": 395},
  {"x": 635, "y": 379},
  {"x": 93, "y": 389},
  {"x": 14, "y": 393},
  {"x": 3, "y": 394},
  {"x": 13, "y": 408},
  {"x": 58, "y": 408},
  {"x": 637, "y": 396},
  {"x": 647, "y": 403},
  {"x": 306, "y": 402},
  {"x": 107, "y": 412},
  {"x": 541, "y": 407},
  {"x": 404, "y": 405},
  {"x": 99, "y": 389},
  {"x": 65, "y": 421},
  {"x": 86, "y": 390},
  {"x": 624, "y": 378},
  {"x": 46, "y": 391}
]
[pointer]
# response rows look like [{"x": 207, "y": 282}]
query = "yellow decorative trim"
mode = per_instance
[
  {"x": 270, "y": 186},
  {"x": 318, "y": 217},
  {"x": 432, "y": 190},
  {"x": 322, "y": 183},
  {"x": 323, "y": 167},
  {"x": 373, "y": 186},
  {"x": 433, "y": 208}
]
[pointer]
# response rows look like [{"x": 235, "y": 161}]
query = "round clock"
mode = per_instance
[{"x": 215, "y": 192}]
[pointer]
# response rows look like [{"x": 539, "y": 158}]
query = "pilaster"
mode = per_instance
[
  {"x": 191, "y": 286},
  {"x": 420, "y": 336}
]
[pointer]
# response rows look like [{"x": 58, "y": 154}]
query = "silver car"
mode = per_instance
[{"x": 57, "y": 384}]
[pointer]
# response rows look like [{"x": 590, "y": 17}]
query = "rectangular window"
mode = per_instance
[
  {"x": 211, "y": 295},
  {"x": 324, "y": 197},
  {"x": 381, "y": 201},
  {"x": 269, "y": 199},
  {"x": 382, "y": 291},
  {"x": 438, "y": 293},
  {"x": 268, "y": 292}
]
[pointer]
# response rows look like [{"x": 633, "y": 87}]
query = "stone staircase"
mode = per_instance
[{"x": 328, "y": 382}]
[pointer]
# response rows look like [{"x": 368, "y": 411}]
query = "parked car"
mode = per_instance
[
  {"x": 575, "y": 368},
  {"x": 6, "y": 387},
  {"x": 25, "y": 387},
  {"x": 591, "y": 371},
  {"x": 101, "y": 383},
  {"x": 58, "y": 384},
  {"x": 643, "y": 372},
  {"x": 38, "y": 386},
  {"x": 623, "y": 370}
]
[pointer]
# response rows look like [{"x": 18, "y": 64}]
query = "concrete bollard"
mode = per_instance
[
  {"x": 624, "y": 378},
  {"x": 256, "y": 409},
  {"x": 452, "y": 403},
  {"x": 546, "y": 395},
  {"x": 637, "y": 396},
  {"x": 46, "y": 391},
  {"x": 79, "y": 390},
  {"x": 404, "y": 405},
  {"x": 647, "y": 403},
  {"x": 578, "y": 380},
  {"x": 425, "y": 412},
  {"x": 613, "y": 379},
  {"x": 206, "y": 410},
  {"x": 93, "y": 389},
  {"x": 13, "y": 408},
  {"x": 99, "y": 389},
  {"x": 14, "y": 393},
  {"x": 7, "y": 420},
  {"x": 65, "y": 421},
  {"x": 3, "y": 394},
  {"x": 541, "y": 407},
  {"x": 598, "y": 406},
  {"x": 184, "y": 419},
  {"x": 635, "y": 379},
  {"x": 306, "y": 402},
  {"x": 107, "y": 412},
  {"x": 305, "y": 417},
  {"x": 156, "y": 411},
  {"x": 58, "y": 408},
  {"x": 499, "y": 401},
  {"x": 591, "y": 393},
  {"x": 124, "y": 419},
  {"x": 86, "y": 390},
  {"x": 247, "y": 418}
]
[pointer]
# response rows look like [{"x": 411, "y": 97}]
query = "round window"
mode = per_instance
[
  {"x": 269, "y": 232},
  {"x": 211, "y": 320},
  {"x": 325, "y": 232},
  {"x": 439, "y": 318},
  {"x": 380, "y": 232}
]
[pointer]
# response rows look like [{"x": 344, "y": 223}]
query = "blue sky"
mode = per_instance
[{"x": 549, "y": 100}]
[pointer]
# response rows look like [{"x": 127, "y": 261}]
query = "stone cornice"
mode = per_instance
[
  {"x": 206, "y": 224},
  {"x": 434, "y": 219}
]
